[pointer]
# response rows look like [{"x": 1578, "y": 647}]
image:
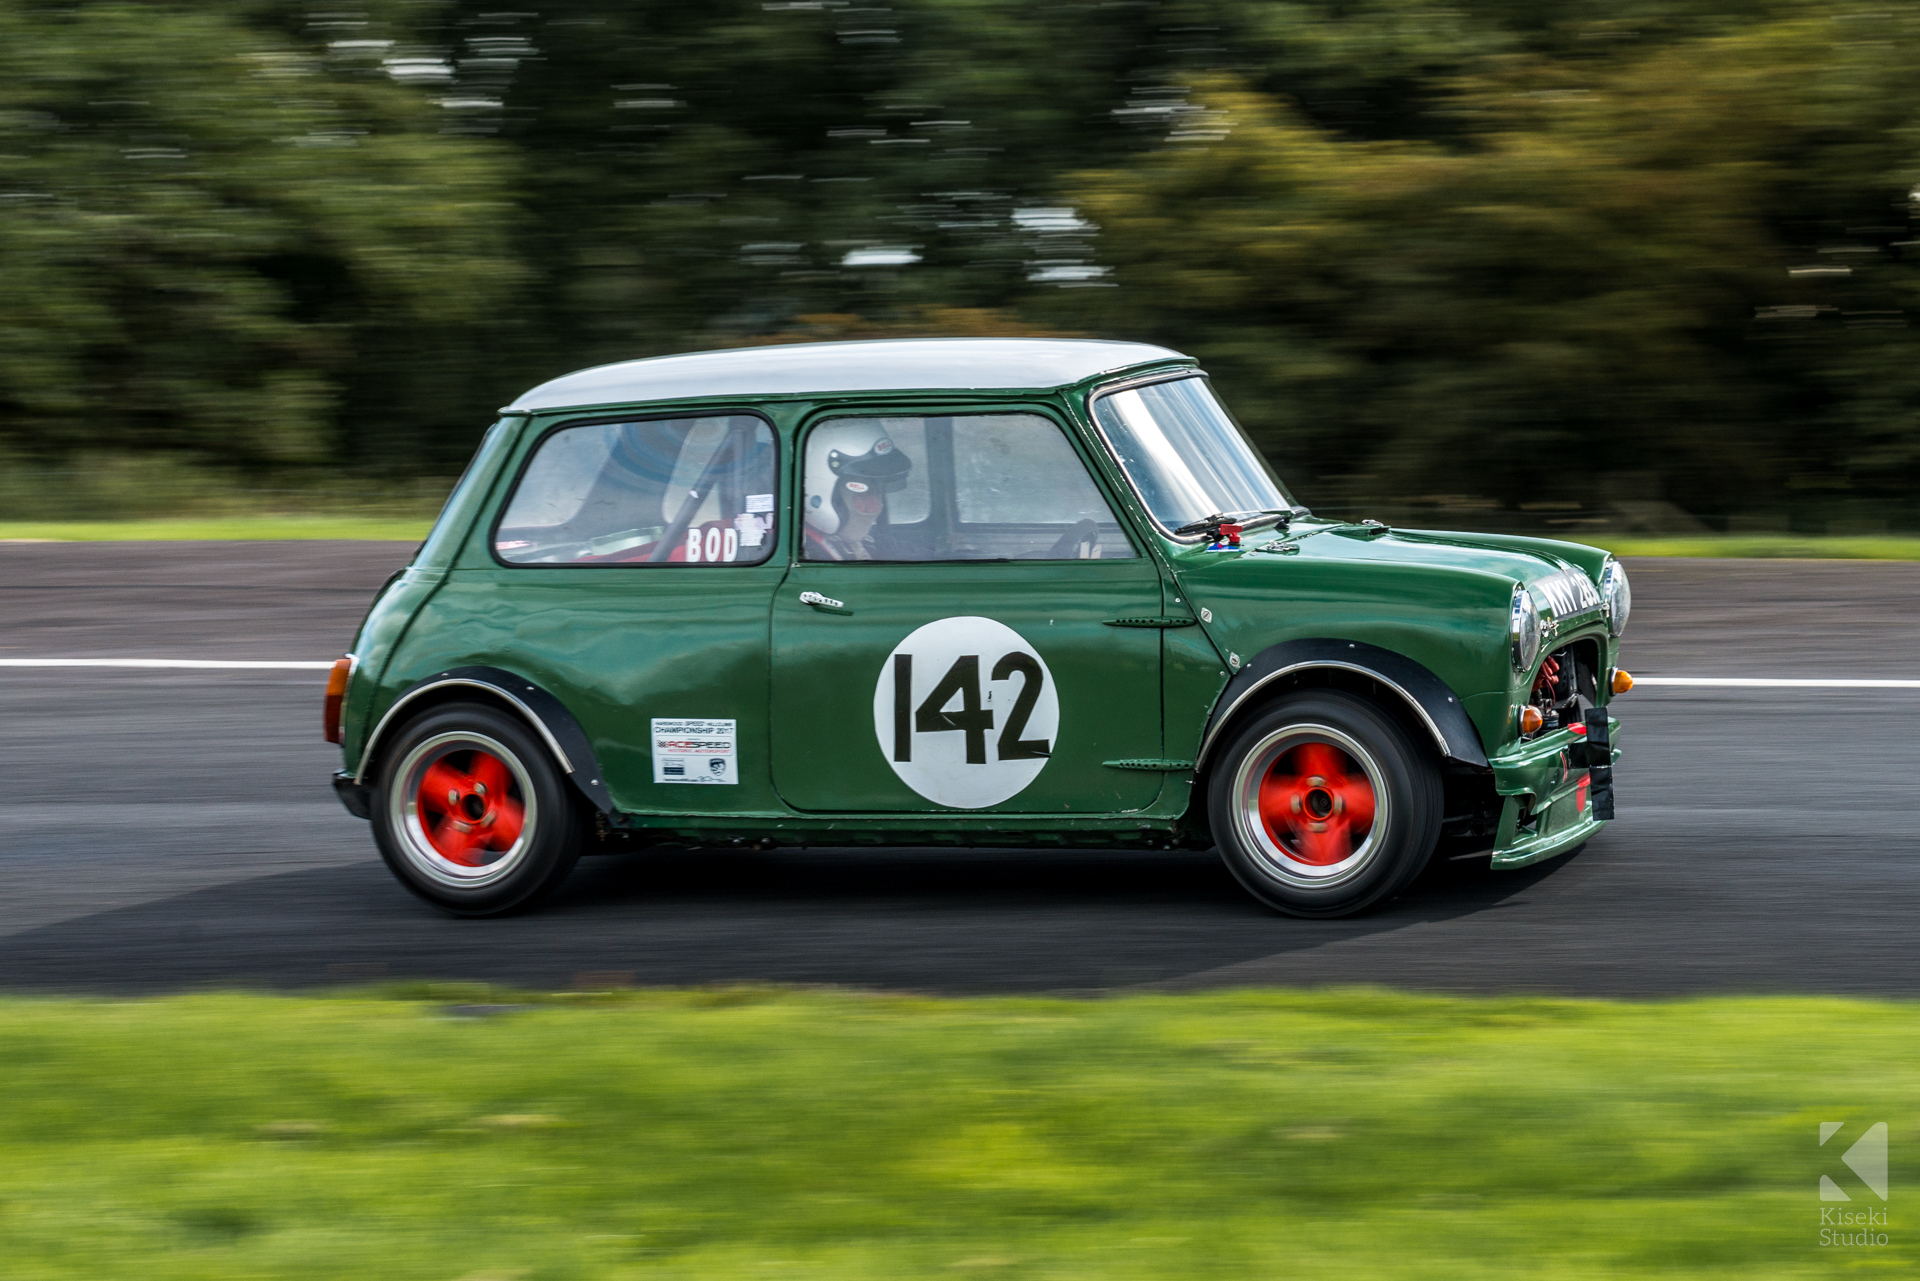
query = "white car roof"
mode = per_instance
[{"x": 898, "y": 364}]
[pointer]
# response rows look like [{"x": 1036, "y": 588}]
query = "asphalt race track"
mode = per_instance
[{"x": 174, "y": 829}]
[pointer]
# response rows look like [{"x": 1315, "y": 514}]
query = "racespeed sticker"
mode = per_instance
[
  {"x": 966, "y": 712},
  {"x": 694, "y": 751}
]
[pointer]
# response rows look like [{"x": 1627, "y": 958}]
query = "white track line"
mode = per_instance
[
  {"x": 196, "y": 663},
  {"x": 1772, "y": 682}
]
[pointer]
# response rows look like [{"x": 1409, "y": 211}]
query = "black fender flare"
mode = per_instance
[
  {"x": 546, "y": 715},
  {"x": 1428, "y": 697}
]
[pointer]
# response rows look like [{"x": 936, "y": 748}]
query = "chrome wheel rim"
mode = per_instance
[
  {"x": 1305, "y": 777},
  {"x": 464, "y": 810}
]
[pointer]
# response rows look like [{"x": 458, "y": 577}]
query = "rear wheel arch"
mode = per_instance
[{"x": 545, "y": 715}]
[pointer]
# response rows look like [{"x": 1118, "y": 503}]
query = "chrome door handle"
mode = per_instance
[{"x": 825, "y": 604}]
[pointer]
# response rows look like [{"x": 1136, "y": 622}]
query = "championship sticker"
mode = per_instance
[
  {"x": 694, "y": 751},
  {"x": 966, "y": 712}
]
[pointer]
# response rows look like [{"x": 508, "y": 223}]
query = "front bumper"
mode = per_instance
[
  {"x": 1545, "y": 807},
  {"x": 357, "y": 797}
]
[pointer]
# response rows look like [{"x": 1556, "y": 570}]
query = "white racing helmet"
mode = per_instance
[{"x": 854, "y": 451}]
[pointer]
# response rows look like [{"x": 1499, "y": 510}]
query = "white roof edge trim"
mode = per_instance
[{"x": 799, "y": 369}]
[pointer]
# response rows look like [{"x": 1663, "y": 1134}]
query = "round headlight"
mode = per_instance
[
  {"x": 1524, "y": 630},
  {"x": 1616, "y": 597}
]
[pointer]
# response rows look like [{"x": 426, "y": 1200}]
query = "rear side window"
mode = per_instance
[{"x": 664, "y": 491}]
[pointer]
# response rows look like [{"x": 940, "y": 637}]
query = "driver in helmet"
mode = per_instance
[{"x": 851, "y": 467}]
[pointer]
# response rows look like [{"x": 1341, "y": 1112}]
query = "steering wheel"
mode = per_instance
[{"x": 1085, "y": 536}]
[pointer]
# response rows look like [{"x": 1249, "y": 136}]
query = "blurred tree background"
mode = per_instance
[{"x": 1524, "y": 262}]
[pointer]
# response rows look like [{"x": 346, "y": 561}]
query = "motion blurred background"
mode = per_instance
[{"x": 1642, "y": 265}]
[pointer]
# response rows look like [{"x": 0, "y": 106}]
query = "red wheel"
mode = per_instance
[
  {"x": 470, "y": 807},
  {"x": 1308, "y": 797},
  {"x": 1317, "y": 803},
  {"x": 1322, "y": 805},
  {"x": 462, "y": 808},
  {"x": 472, "y": 814}
]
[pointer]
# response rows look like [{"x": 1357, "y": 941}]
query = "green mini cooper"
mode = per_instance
[{"x": 985, "y": 592}]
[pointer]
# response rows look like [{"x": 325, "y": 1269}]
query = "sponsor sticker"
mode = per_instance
[
  {"x": 694, "y": 751},
  {"x": 966, "y": 712}
]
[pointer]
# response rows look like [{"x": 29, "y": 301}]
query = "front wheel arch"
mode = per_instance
[{"x": 1405, "y": 689}]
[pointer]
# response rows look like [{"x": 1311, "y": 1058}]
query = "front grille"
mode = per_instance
[{"x": 1568, "y": 592}]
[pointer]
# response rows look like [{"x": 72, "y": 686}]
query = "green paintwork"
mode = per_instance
[
  {"x": 687, "y": 643},
  {"x": 1139, "y": 650},
  {"x": 827, "y": 756},
  {"x": 1437, "y": 598}
]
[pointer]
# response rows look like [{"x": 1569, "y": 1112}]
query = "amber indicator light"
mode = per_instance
[{"x": 336, "y": 698}]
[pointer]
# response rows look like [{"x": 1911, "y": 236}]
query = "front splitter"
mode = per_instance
[{"x": 1546, "y": 809}]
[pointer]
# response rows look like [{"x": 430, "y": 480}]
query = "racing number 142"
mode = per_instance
[{"x": 963, "y": 680}]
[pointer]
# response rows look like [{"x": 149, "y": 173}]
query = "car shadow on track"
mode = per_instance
[{"x": 939, "y": 921}]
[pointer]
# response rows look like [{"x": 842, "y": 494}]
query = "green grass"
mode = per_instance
[
  {"x": 755, "y": 1134},
  {"x": 1763, "y": 546},
  {"x": 406, "y": 529}
]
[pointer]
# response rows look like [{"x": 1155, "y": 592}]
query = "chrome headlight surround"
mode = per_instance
[
  {"x": 1523, "y": 630},
  {"x": 1616, "y": 596}
]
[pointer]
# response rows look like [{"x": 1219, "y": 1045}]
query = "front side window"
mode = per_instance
[
  {"x": 665, "y": 491},
  {"x": 1186, "y": 457},
  {"x": 960, "y": 487}
]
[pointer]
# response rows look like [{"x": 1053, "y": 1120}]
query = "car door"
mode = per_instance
[{"x": 943, "y": 640}]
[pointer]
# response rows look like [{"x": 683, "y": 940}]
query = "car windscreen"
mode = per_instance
[{"x": 1186, "y": 458}]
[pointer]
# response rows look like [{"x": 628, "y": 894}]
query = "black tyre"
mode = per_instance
[
  {"x": 472, "y": 814},
  {"x": 1323, "y": 806}
]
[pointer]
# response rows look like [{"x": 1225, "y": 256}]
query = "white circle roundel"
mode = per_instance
[{"x": 965, "y": 712}]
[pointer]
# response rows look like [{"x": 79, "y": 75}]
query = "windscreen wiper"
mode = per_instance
[
  {"x": 1210, "y": 525},
  {"x": 1281, "y": 516}
]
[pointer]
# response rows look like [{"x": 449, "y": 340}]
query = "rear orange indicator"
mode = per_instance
[
  {"x": 1531, "y": 720},
  {"x": 336, "y": 697},
  {"x": 1622, "y": 682}
]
